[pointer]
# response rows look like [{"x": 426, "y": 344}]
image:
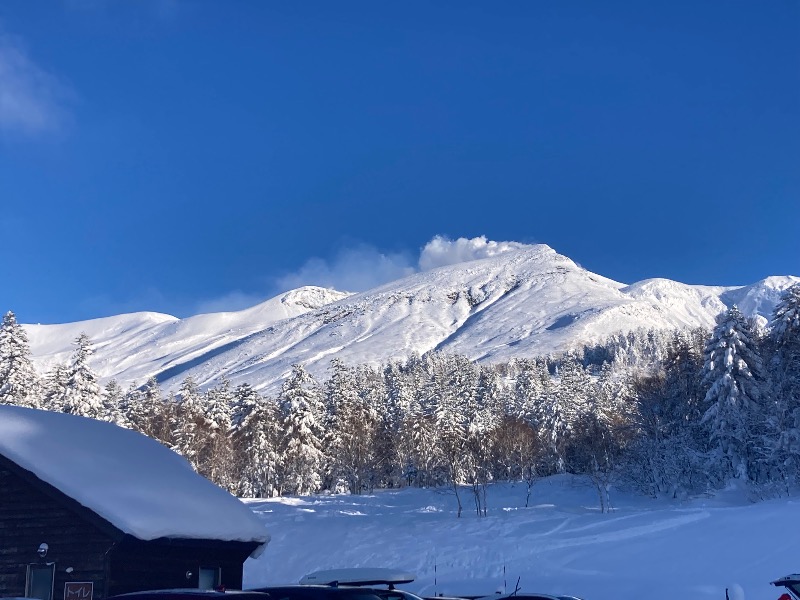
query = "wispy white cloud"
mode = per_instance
[
  {"x": 441, "y": 251},
  {"x": 353, "y": 269},
  {"x": 32, "y": 100},
  {"x": 363, "y": 267}
]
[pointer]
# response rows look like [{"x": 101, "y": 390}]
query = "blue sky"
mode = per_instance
[{"x": 189, "y": 156}]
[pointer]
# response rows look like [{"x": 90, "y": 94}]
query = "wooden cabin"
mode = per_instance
[{"x": 89, "y": 510}]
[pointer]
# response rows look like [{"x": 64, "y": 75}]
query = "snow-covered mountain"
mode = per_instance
[
  {"x": 526, "y": 301},
  {"x": 134, "y": 347}
]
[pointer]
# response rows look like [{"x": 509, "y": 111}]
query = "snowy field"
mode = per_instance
[{"x": 561, "y": 543}]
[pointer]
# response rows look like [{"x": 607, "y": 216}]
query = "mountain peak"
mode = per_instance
[
  {"x": 485, "y": 300},
  {"x": 312, "y": 297}
]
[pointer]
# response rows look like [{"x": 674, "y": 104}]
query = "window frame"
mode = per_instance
[
  {"x": 40, "y": 567},
  {"x": 217, "y": 577}
]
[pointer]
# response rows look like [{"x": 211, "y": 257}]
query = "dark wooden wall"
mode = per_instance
[
  {"x": 158, "y": 564},
  {"x": 33, "y": 512},
  {"x": 28, "y": 517}
]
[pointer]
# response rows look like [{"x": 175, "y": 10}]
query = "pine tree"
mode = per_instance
[
  {"x": 81, "y": 394},
  {"x": 302, "y": 458},
  {"x": 216, "y": 460},
  {"x": 257, "y": 442},
  {"x": 558, "y": 407},
  {"x": 351, "y": 429},
  {"x": 55, "y": 388},
  {"x": 245, "y": 400},
  {"x": 733, "y": 373},
  {"x": 599, "y": 432},
  {"x": 113, "y": 404},
  {"x": 418, "y": 437},
  {"x": 379, "y": 470},
  {"x": 483, "y": 413},
  {"x": 400, "y": 402},
  {"x": 683, "y": 375},
  {"x": 451, "y": 393},
  {"x": 190, "y": 429},
  {"x": 785, "y": 367},
  {"x": 528, "y": 387},
  {"x": 19, "y": 383}
]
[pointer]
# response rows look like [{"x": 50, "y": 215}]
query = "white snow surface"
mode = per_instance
[
  {"x": 560, "y": 544},
  {"x": 527, "y": 300},
  {"x": 132, "y": 481}
]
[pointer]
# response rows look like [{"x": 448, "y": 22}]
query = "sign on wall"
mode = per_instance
[{"x": 78, "y": 590}]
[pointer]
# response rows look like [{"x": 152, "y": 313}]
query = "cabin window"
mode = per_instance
[
  {"x": 39, "y": 581},
  {"x": 209, "y": 578}
]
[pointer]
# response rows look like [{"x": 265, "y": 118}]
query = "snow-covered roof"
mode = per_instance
[{"x": 138, "y": 485}]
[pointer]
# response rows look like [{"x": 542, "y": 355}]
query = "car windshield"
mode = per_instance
[
  {"x": 396, "y": 595},
  {"x": 795, "y": 588}
]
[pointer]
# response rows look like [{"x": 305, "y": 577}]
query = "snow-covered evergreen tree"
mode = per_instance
[
  {"x": 484, "y": 411},
  {"x": 216, "y": 460},
  {"x": 404, "y": 415},
  {"x": 81, "y": 394},
  {"x": 19, "y": 382},
  {"x": 351, "y": 430},
  {"x": 114, "y": 404},
  {"x": 785, "y": 368},
  {"x": 528, "y": 387},
  {"x": 55, "y": 384},
  {"x": 557, "y": 408},
  {"x": 190, "y": 429},
  {"x": 451, "y": 394},
  {"x": 245, "y": 400},
  {"x": 302, "y": 458},
  {"x": 257, "y": 440},
  {"x": 734, "y": 376},
  {"x": 601, "y": 431}
]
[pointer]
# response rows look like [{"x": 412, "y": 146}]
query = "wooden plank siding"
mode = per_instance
[
  {"x": 28, "y": 517},
  {"x": 164, "y": 563},
  {"x": 33, "y": 512}
]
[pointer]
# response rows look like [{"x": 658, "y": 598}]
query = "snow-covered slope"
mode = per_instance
[
  {"x": 136, "y": 346},
  {"x": 523, "y": 302},
  {"x": 559, "y": 544}
]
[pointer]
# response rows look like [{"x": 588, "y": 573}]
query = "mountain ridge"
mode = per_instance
[{"x": 526, "y": 301}]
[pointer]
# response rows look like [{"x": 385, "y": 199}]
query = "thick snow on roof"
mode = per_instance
[{"x": 132, "y": 481}]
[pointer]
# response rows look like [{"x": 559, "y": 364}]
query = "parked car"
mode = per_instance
[
  {"x": 346, "y": 584},
  {"x": 528, "y": 596},
  {"x": 792, "y": 585},
  {"x": 191, "y": 594},
  {"x": 317, "y": 592}
]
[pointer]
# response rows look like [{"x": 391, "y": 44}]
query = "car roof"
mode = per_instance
[
  {"x": 316, "y": 591},
  {"x": 787, "y": 579},
  {"x": 192, "y": 593},
  {"x": 521, "y": 596}
]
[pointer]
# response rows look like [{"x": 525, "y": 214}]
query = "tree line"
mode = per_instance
[{"x": 672, "y": 413}]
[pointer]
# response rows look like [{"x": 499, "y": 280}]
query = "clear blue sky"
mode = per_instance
[{"x": 182, "y": 156}]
